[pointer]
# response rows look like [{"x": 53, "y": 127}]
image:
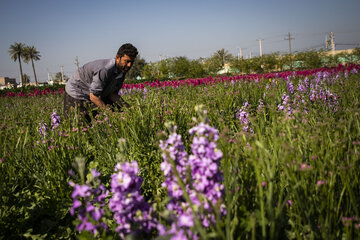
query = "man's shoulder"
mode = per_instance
[{"x": 101, "y": 63}]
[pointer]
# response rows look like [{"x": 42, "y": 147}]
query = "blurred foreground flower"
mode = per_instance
[
  {"x": 88, "y": 204},
  {"x": 131, "y": 211}
]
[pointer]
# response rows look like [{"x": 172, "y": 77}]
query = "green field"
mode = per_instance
[{"x": 291, "y": 173}]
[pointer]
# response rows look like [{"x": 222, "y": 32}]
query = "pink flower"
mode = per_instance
[
  {"x": 320, "y": 182},
  {"x": 304, "y": 167},
  {"x": 263, "y": 184}
]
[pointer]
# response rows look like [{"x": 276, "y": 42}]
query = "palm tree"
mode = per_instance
[
  {"x": 32, "y": 54},
  {"x": 16, "y": 51},
  {"x": 224, "y": 56}
]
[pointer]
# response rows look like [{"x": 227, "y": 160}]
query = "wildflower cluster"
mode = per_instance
[
  {"x": 193, "y": 181},
  {"x": 261, "y": 105},
  {"x": 303, "y": 85},
  {"x": 243, "y": 116},
  {"x": 290, "y": 87},
  {"x": 324, "y": 97},
  {"x": 131, "y": 211},
  {"x": 43, "y": 130},
  {"x": 55, "y": 120},
  {"x": 285, "y": 106}
]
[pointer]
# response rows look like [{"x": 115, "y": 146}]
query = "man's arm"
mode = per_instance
[
  {"x": 117, "y": 99},
  {"x": 97, "y": 101}
]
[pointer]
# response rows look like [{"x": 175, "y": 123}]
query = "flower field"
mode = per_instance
[{"x": 270, "y": 156}]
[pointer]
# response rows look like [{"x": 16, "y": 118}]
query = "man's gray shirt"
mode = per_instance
[{"x": 100, "y": 77}]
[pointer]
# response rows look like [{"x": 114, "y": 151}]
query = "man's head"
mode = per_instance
[{"x": 125, "y": 57}]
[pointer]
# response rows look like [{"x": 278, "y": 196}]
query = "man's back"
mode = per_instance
[{"x": 81, "y": 83}]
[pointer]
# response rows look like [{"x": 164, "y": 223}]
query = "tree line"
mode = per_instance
[{"x": 183, "y": 67}]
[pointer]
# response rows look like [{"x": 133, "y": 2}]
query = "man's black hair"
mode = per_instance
[{"x": 129, "y": 50}]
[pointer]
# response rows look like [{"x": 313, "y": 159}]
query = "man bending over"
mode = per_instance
[{"x": 97, "y": 83}]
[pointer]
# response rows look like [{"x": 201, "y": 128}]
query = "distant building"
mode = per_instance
[
  {"x": 346, "y": 51},
  {"x": 225, "y": 69},
  {"x": 6, "y": 82}
]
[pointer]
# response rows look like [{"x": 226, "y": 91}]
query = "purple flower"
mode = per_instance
[
  {"x": 285, "y": 106},
  {"x": 242, "y": 115},
  {"x": 55, "y": 120},
  {"x": 261, "y": 105},
  {"x": 301, "y": 87},
  {"x": 186, "y": 221},
  {"x": 43, "y": 129},
  {"x": 81, "y": 191},
  {"x": 290, "y": 87}
]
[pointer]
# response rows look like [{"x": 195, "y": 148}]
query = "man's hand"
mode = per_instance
[{"x": 97, "y": 101}]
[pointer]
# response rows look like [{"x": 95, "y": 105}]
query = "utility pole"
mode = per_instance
[
  {"x": 62, "y": 73},
  {"x": 289, "y": 39},
  {"x": 260, "y": 46},
  {"x": 77, "y": 63},
  {"x": 240, "y": 56},
  {"x": 326, "y": 42},
  {"x": 241, "y": 53},
  {"x": 332, "y": 43}
]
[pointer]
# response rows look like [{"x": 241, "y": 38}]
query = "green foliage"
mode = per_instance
[
  {"x": 309, "y": 60},
  {"x": 180, "y": 67},
  {"x": 149, "y": 72},
  {"x": 58, "y": 77},
  {"x": 356, "y": 53},
  {"x": 136, "y": 69}
]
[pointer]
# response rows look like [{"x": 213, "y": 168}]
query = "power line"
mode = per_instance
[{"x": 350, "y": 44}]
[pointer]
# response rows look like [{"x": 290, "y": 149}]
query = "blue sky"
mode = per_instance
[{"x": 94, "y": 29}]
